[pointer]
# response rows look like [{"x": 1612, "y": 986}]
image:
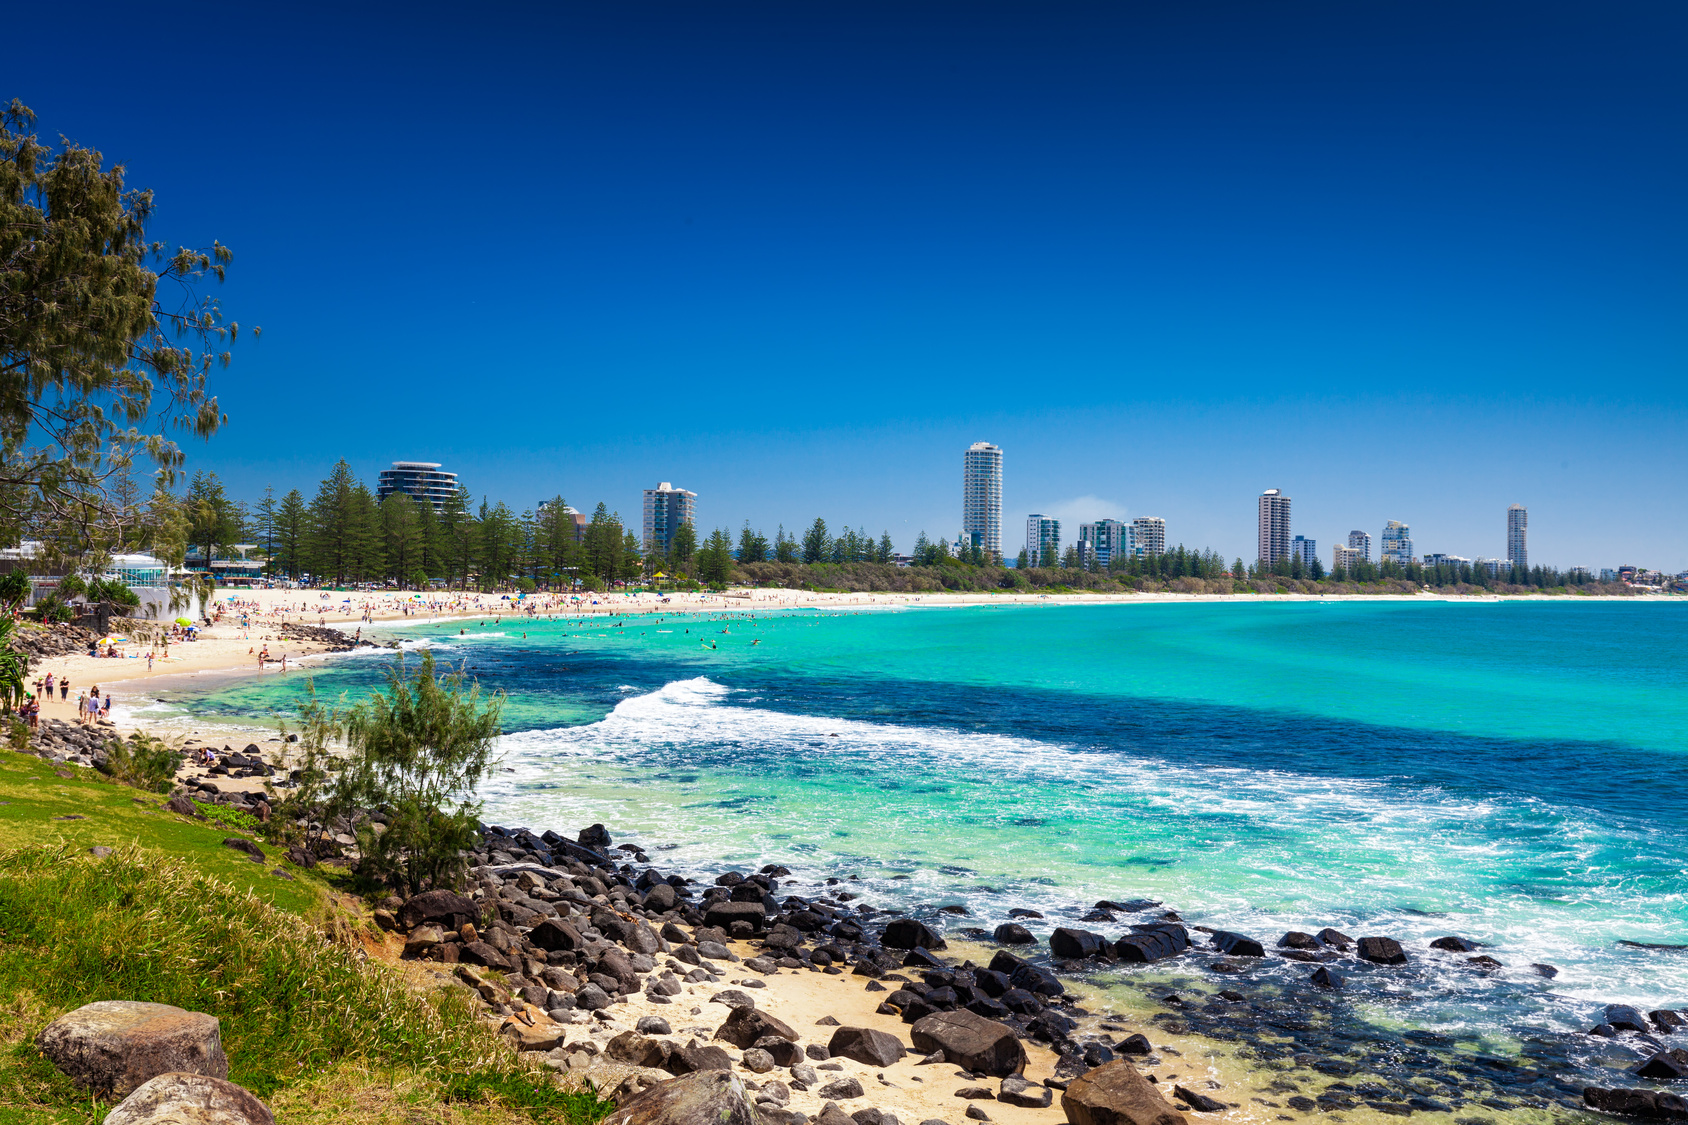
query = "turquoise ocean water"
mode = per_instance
[{"x": 1514, "y": 773}]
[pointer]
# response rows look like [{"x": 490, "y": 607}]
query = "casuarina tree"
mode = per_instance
[{"x": 418, "y": 751}]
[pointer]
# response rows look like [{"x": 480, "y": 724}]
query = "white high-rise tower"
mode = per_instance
[
  {"x": 1517, "y": 536},
  {"x": 1274, "y": 526},
  {"x": 981, "y": 498}
]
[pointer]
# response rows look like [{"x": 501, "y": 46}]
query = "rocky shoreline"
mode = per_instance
[{"x": 565, "y": 942}]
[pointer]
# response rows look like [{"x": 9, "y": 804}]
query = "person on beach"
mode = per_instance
[{"x": 149, "y": 660}]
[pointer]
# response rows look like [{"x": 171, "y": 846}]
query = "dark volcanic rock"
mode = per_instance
[
  {"x": 1625, "y": 1018},
  {"x": 1116, "y": 1094},
  {"x": 1324, "y": 978},
  {"x": 1665, "y": 1066},
  {"x": 865, "y": 1045},
  {"x": 746, "y": 1025},
  {"x": 1295, "y": 939},
  {"x": 443, "y": 908},
  {"x": 1335, "y": 938},
  {"x": 1454, "y": 944},
  {"x": 1075, "y": 945},
  {"x": 553, "y": 934},
  {"x": 1382, "y": 951},
  {"x": 971, "y": 1042},
  {"x": 906, "y": 933},
  {"x": 724, "y": 914},
  {"x": 1650, "y": 1104},
  {"x": 1012, "y": 933},
  {"x": 710, "y": 1096},
  {"x": 1236, "y": 945}
]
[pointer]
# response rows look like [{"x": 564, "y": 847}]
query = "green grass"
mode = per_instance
[{"x": 309, "y": 1023}]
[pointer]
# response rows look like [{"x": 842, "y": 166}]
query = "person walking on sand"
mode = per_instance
[
  {"x": 64, "y": 688},
  {"x": 149, "y": 660}
]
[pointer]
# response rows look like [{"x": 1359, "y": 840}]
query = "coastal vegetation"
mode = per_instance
[
  {"x": 310, "y": 1023},
  {"x": 98, "y": 372}
]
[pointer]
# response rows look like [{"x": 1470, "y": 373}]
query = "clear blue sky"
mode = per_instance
[{"x": 1403, "y": 260}]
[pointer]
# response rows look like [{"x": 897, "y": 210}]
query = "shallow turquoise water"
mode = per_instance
[{"x": 1510, "y": 772}]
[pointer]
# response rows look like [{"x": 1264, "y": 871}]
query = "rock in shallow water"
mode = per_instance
[{"x": 1116, "y": 1094}]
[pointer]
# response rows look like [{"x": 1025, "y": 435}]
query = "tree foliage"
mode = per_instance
[
  {"x": 99, "y": 369},
  {"x": 418, "y": 751}
]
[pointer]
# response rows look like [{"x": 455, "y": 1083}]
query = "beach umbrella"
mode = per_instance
[{"x": 183, "y": 621}]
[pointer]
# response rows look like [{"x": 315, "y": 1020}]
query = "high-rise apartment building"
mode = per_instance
[
  {"x": 1304, "y": 549},
  {"x": 1043, "y": 540},
  {"x": 1397, "y": 544},
  {"x": 666, "y": 508},
  {"x": 981, "y": 498},
  {"x": 1517, "y": 536},
  {"x": 1344, "y": 558},
  {"x": 1149, "y": 536},
  {"x": 1274, "y": 526},
  {"x": 1361, "y": 542},
  {"x": 420, "y": 480},
  {"x": 576, "y": 520},
  {"x": 1107, "y": 540}
]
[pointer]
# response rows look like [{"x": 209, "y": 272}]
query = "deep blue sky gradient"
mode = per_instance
[{"x": 1403, "y": 260}]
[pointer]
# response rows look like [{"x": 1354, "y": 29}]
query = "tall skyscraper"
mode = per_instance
[
  {"x": 981, "y": 498},
  {"x": 420, "y": 480},
  {"x": 1517, "y": 536},
  {"x": 1304, "y": 548},
  {"x": 1397, "y": 543},
  {"x": 1274, "y": 526},
  {"x": 1149, "y": 534},
  {"x": 1361, "y": 542},
  {"x": 666, "y": 508},
  {"x": 1107, "y": 540},
  {"x": 1043, "y": 540},
  {"x": 1342, "y": 558}
]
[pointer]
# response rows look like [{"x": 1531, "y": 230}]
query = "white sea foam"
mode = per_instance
[{"x": 1258, "y": 850}]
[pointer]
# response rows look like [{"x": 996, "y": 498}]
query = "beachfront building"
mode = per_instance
[
  {"x": 1304, "y": 549},
  {"x": 577, "y": 519},
  {"x": 666, "y": 508},
  {"x": 228, "y": 570},
  {"x": 1397, "y": 543},
  {"x": 420, "y": 480},
  {"x": 1106, "y": 540},
  {"x": 1437, "y": 558},
  {"x": 1344, "y": 558},
  {"x": 1495, "y": 567},
  {"x": 1148, "y": 535},
  {"x": 1274, "y": 526},
  {"x": 1043, "y": 540},
  {"x": 1517, "y": 536},
  {"x": 981, "y": 498},
  {"x": 1361, "y": 542}
]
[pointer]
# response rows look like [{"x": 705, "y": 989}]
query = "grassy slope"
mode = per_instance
[{"x": 175, "y": 917}]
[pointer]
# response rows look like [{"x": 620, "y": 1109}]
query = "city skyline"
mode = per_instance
[{"x": 1041, "y": 227}]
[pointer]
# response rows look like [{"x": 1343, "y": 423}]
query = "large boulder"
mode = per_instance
[
  {"x": 706, "y": 1097},
  {"x": 1382, "y": 951},
  {"x": 1623, "y": 1017},
  {"x": 189, "y": 1099},
  {"x": 443, "y": 908},
  {"x": 691, "y": 1060},
  {"x": 1075, "y": 945},
  {"x": 1012, "y": 933},
  {"x": 554, "y": 934},
  {"x": 1653, "y": 1104},
  {"x": 724, "y": 914},
  {"x": 906, "y": 933},
  {"x": 1116, "y": 1094},
  {"x": 971, "y": 1042},
  {"x": 1152, "y": 942},
  {"x": 865, "y": 1045},
  {"x": 746, "y": 1025},
  {"x": 1237, "y": 945},
  {"x": 111, "y": 1047}
]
